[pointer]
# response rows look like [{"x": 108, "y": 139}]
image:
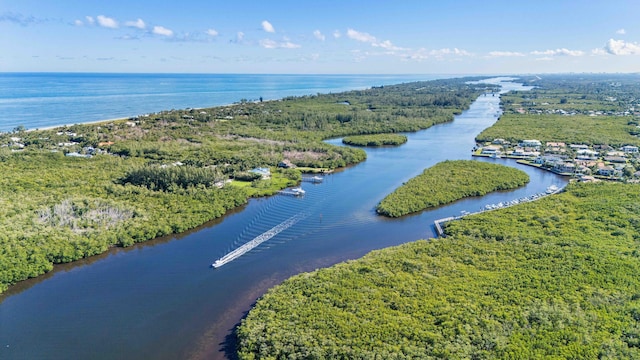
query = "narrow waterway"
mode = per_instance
[{"x": 162, "y": 300}]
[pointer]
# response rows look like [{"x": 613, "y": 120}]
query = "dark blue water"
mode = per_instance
[
  {"x": 161, "y": 300},
  {"x": 39, "y": 100}
]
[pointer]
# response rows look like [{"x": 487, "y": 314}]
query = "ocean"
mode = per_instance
[{"x": 42, "y": 100}]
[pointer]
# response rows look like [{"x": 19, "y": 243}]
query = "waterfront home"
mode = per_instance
[
  {"x": 264, "y": 172},
  {"x": 548, "y": 160},
  {"x": 629, "y": 149},
  {"x": 491, "y": 150},
  {"x": 582, "y": 170},
  {"x": 565, "y": 168},
  {"x": 587, "y": 178},
  {"x": 524, "y": 153}
]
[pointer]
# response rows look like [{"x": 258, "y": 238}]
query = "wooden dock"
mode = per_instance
[{"x": 438, "y": 224}]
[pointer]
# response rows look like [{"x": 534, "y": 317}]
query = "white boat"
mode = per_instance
[
  {"x": 296, "y": 191},
  {"x": 552, "y": 189}
]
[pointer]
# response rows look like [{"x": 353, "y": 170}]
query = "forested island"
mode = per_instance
[
  {"x": 375, "y": 140},
  {"x": 76, "y": 191},
  {"x": 447, "y": 182}
]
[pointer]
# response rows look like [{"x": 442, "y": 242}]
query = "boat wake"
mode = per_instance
[{"x": 245, "y": 248}]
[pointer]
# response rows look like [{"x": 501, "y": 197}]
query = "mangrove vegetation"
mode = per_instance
[
  {"x": 375, "y": 140},
  {"x": 447, "y": 182},
  {"x": 556, "y": 278}
]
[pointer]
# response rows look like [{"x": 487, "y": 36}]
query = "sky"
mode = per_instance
[{"x": 461, "y": 37}]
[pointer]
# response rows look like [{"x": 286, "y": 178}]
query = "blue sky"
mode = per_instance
[{"x": 321, "y": 37}]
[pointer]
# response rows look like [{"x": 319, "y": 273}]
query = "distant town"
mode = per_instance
[{"x": 584, "y": 162}]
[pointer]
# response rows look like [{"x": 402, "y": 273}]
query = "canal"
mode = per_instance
[{"x": 162, "y": 300}]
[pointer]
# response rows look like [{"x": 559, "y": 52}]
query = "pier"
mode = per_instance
[
  {"x": 438, "y": 223},
  {"x": 490, "y": 207}
]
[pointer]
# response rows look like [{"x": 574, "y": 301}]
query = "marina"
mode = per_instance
[{"x": 552, "y": 189}]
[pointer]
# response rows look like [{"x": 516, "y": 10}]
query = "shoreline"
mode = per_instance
[{"x": 81, "y": 123}]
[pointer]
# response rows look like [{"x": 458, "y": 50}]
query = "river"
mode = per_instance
[{"x": 162, "y": 300}]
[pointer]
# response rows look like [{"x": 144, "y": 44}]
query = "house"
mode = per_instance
[
  {"x": 579, "y": 147},
  {"x": 605, "y": 170},
  {"x": 530, "y": 143},
  {"x": 265, "y": 173},
  {"x": 602, "y": 148},
  {"x": 555, "y": 147},
  {"x": 548, "y": 160},
  {"x": 565, "y": 168},
  {"x": 629, "y": 149},
  {"x": 615, "y": 159},
  {"x": 520, "y": 152},
  {"x": 587, "y": 178},
  {"x": 285, "y": 164},
  {"x": 586, "y": 154},
  {"x": 491, "y": 150},
  {"x": 581, "y": 169}
]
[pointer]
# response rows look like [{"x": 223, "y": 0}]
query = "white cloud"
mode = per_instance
[
  {"x": 621, "y": 32},
  {"x": 239, "y": 37},
  {"x": 505, "y": 54},
  {"x": 212, "y": 32},
  {"x": 90, "y": 20},
  {"x": 266, "y": 26},
  {"x": 136, "y": 24},
  {"x": 559, "y": 52},
  {"x": 289, "y": 45},
  {"x": 387, "y": 45},
  {"x": 161, "y": 30},
  {"x": 107, "y": 22},
  {"x": 440, "y": 54},
  {"x": 318, "y": 35},
  {"x": 368, "y": 38},
  {"x": 621, "y": 47},
  {"x": 337, "y": 34},
  {"x": 447, "y": 51},
  {"x": 360, "y": 36},
  {"x": 271, "y": 44},
  {"x": 78, "y": 23}
]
